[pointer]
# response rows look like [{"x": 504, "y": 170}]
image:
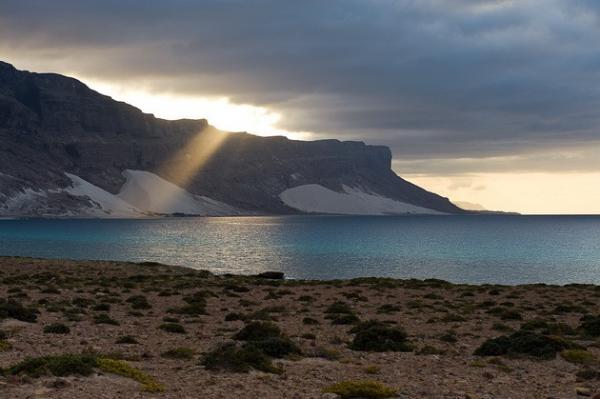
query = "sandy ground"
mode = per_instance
[{"x": 426, "y": 310}]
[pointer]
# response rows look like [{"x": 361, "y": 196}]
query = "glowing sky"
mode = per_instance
[{"x": 492, "y": 102}]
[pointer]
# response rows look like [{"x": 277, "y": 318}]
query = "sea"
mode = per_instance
[{"x": 476, "y": 249}]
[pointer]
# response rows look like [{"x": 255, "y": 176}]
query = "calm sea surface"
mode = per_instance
[{"x": 471, "y": 249}]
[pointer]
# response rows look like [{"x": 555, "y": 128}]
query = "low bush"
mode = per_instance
[
  {"x": 138, "y": 302},
  {"x": 258, "y": 330},
  {"x": 590, "y": 325},
  {"x": 578, "y": 356},
  {"x": 341, "y": 313},
  {"x": 60, "y": 366},
  {"x": 178, "y": 353},
  {"x": 338, "y": 307},
  {"x": 344, "y": 319},
  {"x": 193, "y": 309},
  {"x": 14, "y": 310},
  {"x": 234, "y": 316},
  {"x": 101, "y": 307},
  {"x": 388, "y": 308},
  {"x": 452, "y": 318},
  {"x": 4, "y": 346},
  {"x": 366, "y": 389},
  {"x": 126, "y": 339},
  {"x": 172, "y": 328},
  {"x": 104, "y": 318},
  {"x": 309, "y": 321},
  {"x": 374, "y": 336},
  {"x": 278, "y": 347},
  {"x": 524, "y": 342},
  {"x": 56, "y": 328},
  {"x": 238, "y": 359}
]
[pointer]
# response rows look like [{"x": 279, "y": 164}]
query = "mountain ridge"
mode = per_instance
[{"x": 52, "y": 124}]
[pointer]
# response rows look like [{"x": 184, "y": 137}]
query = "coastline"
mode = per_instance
[{"x": 101, "y": 302}]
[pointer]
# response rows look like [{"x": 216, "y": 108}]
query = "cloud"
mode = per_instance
[{"x": 502, "y": 84}]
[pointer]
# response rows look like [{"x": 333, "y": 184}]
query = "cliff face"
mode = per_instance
[{"x": 51, "y": 125}]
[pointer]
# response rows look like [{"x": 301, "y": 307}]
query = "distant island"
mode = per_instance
[{"x": 68, "y": 151}]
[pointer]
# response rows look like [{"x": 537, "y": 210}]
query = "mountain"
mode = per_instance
[
  {"x": 67, "y": 150},
  {"x": 471, "y": 206}
]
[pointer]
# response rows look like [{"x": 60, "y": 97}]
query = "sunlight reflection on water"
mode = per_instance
[{"x": 472, "y": 249}]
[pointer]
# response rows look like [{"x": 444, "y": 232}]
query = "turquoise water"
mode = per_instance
[{"x": 470, "y": 249}]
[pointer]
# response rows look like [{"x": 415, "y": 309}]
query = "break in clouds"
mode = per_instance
[{"x": 451, "y": 86}]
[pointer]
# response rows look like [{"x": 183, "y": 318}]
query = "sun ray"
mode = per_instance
[{"x": 182, "y": 167}]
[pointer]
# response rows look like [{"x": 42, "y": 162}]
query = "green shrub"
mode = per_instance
[
  {"x": 388, "y": 308},
  {"x": 374, "y": 336},
  {"x": 258, "y": 330},
  {"x": 193, "y": 309},
  {"x": 104, "y": 318},
  {"x": 341, "y": 313},
  {"x": 449, "y": 336},
  {"x": 306, "y": 298},
  {"x": 60, "y": 366},
  {"x": 4, "y": 346},
  {"x": 309, "y": 321},
  {"x": 366, "y": 389},
  {"x": 126, "y": 339},
  {"x": 101, "y": 307},
  {"x": 15, "y": 310},
  {"x": 178, "y": 353},
  {"x": 276, "y": 346},
  {"x": 524, "y": 342},
  {"x": 233, "y": 358},
  {"x": 534, "y": 324},
  {"x": 511, "y": 315},
  {"x": 172, "y": 328},
  {"x": 590, "y": 325},
  {"x": 578, "y": 356},
  {"x": 234, "y": 316},
  {"x": 344, "y": 319},
  {"x": 501, "y": 327},
  {"x": 452, "y": 318},
  {"x": 56, "y": 328},
  {"x": 338, "y": 307},
  {"x": 82, "y": 302},
  {"x": 138, "y": 302}
]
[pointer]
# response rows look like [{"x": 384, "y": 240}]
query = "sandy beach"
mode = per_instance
[{"x": 156, "y": 331}]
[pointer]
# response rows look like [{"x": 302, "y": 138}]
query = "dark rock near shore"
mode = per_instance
[{"x": 271, "y": 275}]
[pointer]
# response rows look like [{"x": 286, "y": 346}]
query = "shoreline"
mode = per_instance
[{"x": 166, "y": 321}]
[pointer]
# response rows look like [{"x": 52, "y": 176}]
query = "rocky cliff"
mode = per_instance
[{"x": 66, "y": 150}]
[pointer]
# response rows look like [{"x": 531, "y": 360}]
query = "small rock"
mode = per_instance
[
  {"x": 330, "y": 395},
  {"x": 581, "y": 391}
]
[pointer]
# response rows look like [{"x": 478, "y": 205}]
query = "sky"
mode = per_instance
[{"x": 494, "y": 102}]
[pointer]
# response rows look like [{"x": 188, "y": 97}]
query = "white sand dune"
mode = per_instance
[
  {"x": 108, "y": 205},
  {"x": 314, "y": 198},
  {"x": 152, "y": 193}
]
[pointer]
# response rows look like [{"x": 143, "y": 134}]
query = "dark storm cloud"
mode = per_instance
[{"x": 433, "y": 79}]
